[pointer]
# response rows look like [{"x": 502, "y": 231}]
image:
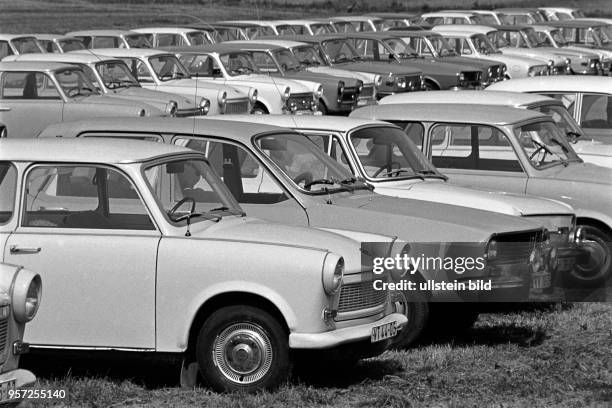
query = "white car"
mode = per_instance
[
  {"x": 359, "y": 23},
  {"x": 453, "y": 17},
  {"x": 306, "y": 27},
  {"x": 474, "y": 44},
  {"x": 57, "y": 43},
  {"x": 589, "y": 99},
  {"x": 162, "y": 71},
  {"x": 562, "y": 13},
  {"x": 111, "y": 38},
  {"x": 174, "y": 36},
  {"x": 14, "y": 44}
]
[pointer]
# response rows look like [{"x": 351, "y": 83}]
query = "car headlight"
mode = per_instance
[
  {"x": 359, "y": 86},
  {"x": 491, "y": 252},
  {"x": 3, "y": 132},
  {"x": 490, "y": 71},
  {"x": 223, "y": 99},
  {"x": 340, "y": 89},
  {"x": 204, "y": 106},
  {"x": 401, "y": 82},
  {"x": 568, "y": 61},
  {"x": 319, "y": 92},
  {"x": 142, "y": 113},
  {"x": 171, "y": 108},
  {"x": 253, "y": 95},
  {"x": 390, "y": 81},
  {"x": 27, "y": 292},
  {"x": 333, "y": 271},
  {"x": 461, "y": 76},
  {"x": 378, "y": 80},
  {"x": 286, "y": 94}
]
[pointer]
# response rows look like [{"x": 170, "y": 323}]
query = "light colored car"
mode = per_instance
[
  {"x": 562, "y": 13},
  {"x": 111, "y": 39},
  {"x": 452, "y": 17},
  {"x": 20, "y": 296},
  {"x": 112, "y": 77},
  {"x": 246, "y": 30},
  {"x": 474, "y": 44},
  {"x": 34, "y": 95},
  {"x": 517, "y": 151},
  {"x": 227, "y": 64},
  {"x": 359, "y": 23},
  {"x": 522, "y": 16},
  {"x": 589, "y": 33},
  {"x": 58, "y": 43},
  {"x": 589, "y": 99},
  {"x": 206, "y": 283},
  {"x": 174, "y": 36},
  {"x": 278, "y": 27},
  {"x": 396, "y": 20},
  {"x": 162, "y": 71},
  {"x": 589, "y": 150},
  {"x": 15, "y": 44},
  {"x": 491, "y": 16},
  {"x": 278, "y": 175}
]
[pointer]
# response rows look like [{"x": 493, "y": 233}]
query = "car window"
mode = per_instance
[
  {"x": 596, "y": 111},
  {"x": 247, "y": 180},
  {"x": 475, "y": 147},
  {"x": 71, "y": 45},
  {"x": 197, "y": 38},
  {"x": 48, "y": 46},
  {"x": 414, "y": 130},
  {"x": 200, "y": 64},
  {"x": 264, "y": 61},
  {"x": 139, "y": 70},
  {"x": 28, "y": 85},
  {"x": 5, "y": 49},
  {"x": 166, "y": 40},
  {"x": 8, "y": 184},
  {"x": 95, "y": 197},
  {"x": 106, "y": 42},
  {"x": 26, "y": 46},
  {"x": 335, "y": 150}
]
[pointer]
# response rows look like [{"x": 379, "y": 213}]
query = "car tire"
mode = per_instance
[
  {"x": 242, "y": 349},
  {"x": 259, "y": 109},
  {"x": 430, "y": 86},
  {"x": 414, "y": 306},
  {"x": 598, "y": 268}
]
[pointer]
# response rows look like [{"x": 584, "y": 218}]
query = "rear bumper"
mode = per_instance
[{"x": 342, "y": 336}]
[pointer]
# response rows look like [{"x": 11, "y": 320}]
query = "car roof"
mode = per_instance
[
  {"x": 300, "y": 22},
  {"x": 218, "y": 48},
  {"x": 164, "y": 30},
  {"x": 100, "y": 32},
  {"x": 464, "y": 28},
  {"x": 123, "y": 52},
  {"x": 313, "y": 38},
  {"x": 354, "y": 18},
  {"x": 66, "y": 57},
  {"x": 449, "y": 13},
  {"x": 33, "y": 66},
  {"x": 9, "y": 37},
  {"x": 53, "y": 37},
  {"x": 416, "y": 33},
  {"x": 448, "y": 112},
  {"x": 269, "y": 42},
  {"x": 504, "y": 98},
  {"x": 314, "y": 122},
  {"x": 86, "y": 150},
  {"x": 394, "y": 16},
  {"x": 576, "y": 23},
  {"x": 582, "y": 83},
  {"x": 184, "y": 126}
]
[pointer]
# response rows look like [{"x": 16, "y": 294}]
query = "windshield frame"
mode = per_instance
[
  {"x": 185, "y": 71},
  {"x": 100, "y": 78},
  {"x": 56, "y": 75},
  {"x": 315, "y": 52},
  {"x": 248, "y": 54}
]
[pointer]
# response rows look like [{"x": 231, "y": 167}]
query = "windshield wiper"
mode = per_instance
[
  {"x": 400, "y": 171},
  {"x": 432, "y": 173},
  {"x": 231, "y": 211},
  {"x": 353, "y": 180},
  {"x": 318, "y": 181}
]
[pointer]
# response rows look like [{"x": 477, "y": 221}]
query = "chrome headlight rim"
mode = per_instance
[
  {"x": 204, "y": 106},
  {"x": 253, "y": 94},
  {"x": 333, "y": 273},
  {"x": 286, "y": 94},
  {"x": 318, "y": 92},
  {"x": 26, "y": 295},
  {"x": 359, "y": 86},
  {"x": 378, "y": 80},
  {"x": 171, "y": 108},
  {"x": 340, "y": 89}
]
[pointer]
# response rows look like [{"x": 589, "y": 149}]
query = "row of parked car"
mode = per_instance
[{"x": 239, "y": 243}]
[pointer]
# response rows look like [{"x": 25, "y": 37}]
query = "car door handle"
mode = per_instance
[
  {"x": 4, "y": 109},
  {"x": 16, "y": 250}
]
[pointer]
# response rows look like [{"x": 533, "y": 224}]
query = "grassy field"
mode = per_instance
[{"x": 556, "y": 356}]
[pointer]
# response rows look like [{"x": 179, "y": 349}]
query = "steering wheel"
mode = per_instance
[
  {"x": 389, "y": 167},
  {"x": 178, "y": 205},
  {"x": 537, "y": 151},
  {"x": 304, "y": 177}
]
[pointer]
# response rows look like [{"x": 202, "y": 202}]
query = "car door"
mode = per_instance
[
  {"x": 596, "y": 116},
  {"x": 259, "y": 193},
  {"x": 29, "y": 103},
  {"x": 477, "y": 156},
  {"x": 85, "y": 229}
]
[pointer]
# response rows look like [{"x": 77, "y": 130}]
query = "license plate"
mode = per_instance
[
  {"x": 383, "y": 332},
  {"x": 5, "y": 387},
  {"x": 540, "y": 281}
]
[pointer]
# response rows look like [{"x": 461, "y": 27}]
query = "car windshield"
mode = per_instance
[
  {"x": 488, "y": 19},
  {"x": 238, "y": 63},
  {"x": 603, "y": 33},
  {"x": 307, "y": 55},
  {"x": 558, "y": 38},
  {"x": 115, "y": 74},
  {"x": 322, "y": 29},
  {"x": 561, "y": 117},
  {"x": 545, "y": 144},
  {"x": 344, "y": 27},
  {"x": 168, "y": 67},
  {"x": 306, "y": 164},
  {"x": 340, "y": 51},
  {"x": 75, "y": 84},
  {"x": 71, "y": 45},
  {"x": 483, "y": 44},
  {"x": 532, "y": 38},
  {"x": 197, "y": 38},
  {"x": 189, "y": 186},
  {"x": 441, "y": 46},
  {"x": 387, "y": 153},
  {"x": 138, "y": 41},
  {"x": 287, "y": 60},
  {"x": 400, "y": 48},
  {"x": 26, "y": 45}
]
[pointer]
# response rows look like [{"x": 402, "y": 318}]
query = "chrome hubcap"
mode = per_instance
[
  {"x": 243, "y": 353},
  {"x": 598, "y": 259}
]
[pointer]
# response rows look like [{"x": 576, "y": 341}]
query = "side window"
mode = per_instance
[
  {"x": 166, "y": 40},
  {"x": 474, "y": 147},
  {"x": 28, "y": 85},
  {"x": 106, "y": 42},
  {"x": 414, "y": 130},
  {"x": 83, "y": 197},
  {"x": 203, "y": 65},
  {"x": 264, "y": 62},
  {"x": 248, "y": 181},
  {"x": 596, "y": 111},
  {"x": 335, "y": 150},
  {"x": 8, "y": 184},
  {"x": 5, "y": 49},
  {"x": 568, "y": 99}
]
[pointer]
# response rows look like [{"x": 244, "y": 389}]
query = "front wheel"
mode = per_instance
[
  {"x": 595, "y": 268},
  {"x": 242, "y": 348},
  {"x": 259, "y": 109},
  {"x": 414, "y": 306}
]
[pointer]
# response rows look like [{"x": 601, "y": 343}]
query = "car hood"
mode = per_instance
[
  {"x": 499, "y": 202},
  {"x": 442, "y": 67},
  {"x": 280, "y": 83},
  {"x": 566, "y": 52},
  {"x": 412, "y": 220},
  {"x": 480, "y": 62},
  {"x": 535, "y": 53},
  {"x": 110, "y": 100},
  {"x": 366, "y": 78},
  {"x": 322, "y": 78},
  {"x": 582, "y": 172},
  {"x": 150, "y": 96},
  {"x": 191, "y": 84},
  {"x": 593, "y": 147},
  {"x": 603, "y": 54},
  {"x": 380, "y": 68},
  {"x": 512, "y": 60}
]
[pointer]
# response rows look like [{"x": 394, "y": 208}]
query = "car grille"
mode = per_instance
[
  {"x": 349, "y": 95},
  {"x": 302, "y": 101},
  {"x": 367, "y": 92},
  {"x": 240, "y": 106},
  {"x": 516, "y": 248},
  {"x": 472, "y": 78},
  {"x": 360, "y": 295},
  {"x": 3, "y": 336}
]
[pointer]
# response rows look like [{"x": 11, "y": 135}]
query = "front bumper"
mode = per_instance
[
  {"x": 23, "y": 378},
  {"x": 342, "y": 336}
]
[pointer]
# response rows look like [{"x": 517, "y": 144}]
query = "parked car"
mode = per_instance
[
  {"x": 278, "y": 27},
  {"x": 517, "y": 151},
  {"x": 589, "y": 99},
  {"x": 452, "y": 17},
  {"x": 434, "y": 48},
  {"x": 388, "y": 47},
  {"x": 474, "y": 44},
  {"x": 218, "y": 33},
  {"x": 491, "y": 16},
  {"x": 338, "y": 52},
  {"x": 162, "y": 71},
  {"x": 111, "y": 39},
  {"x": 523, "y": 16},
  {"x": 20, "y": 296},
  {"x": 594, "y": 34},
  {"x": 174, "y": 36},
  {"x": 278, "y": 175},
  {"x": 58, "y": 43},
  {"x": 112, "y": 77},
  {"x": 15, "y": 44},
  {"x": 268, "y": 289},
  {"x": 227, "y": 64},
  {"x": 340, "y": 94},
  {"x": 246, "y": 31},
  {"x": 37, "y": 94},
  {"x": 589, "y": 150},
  {"x": 359, "y": 23},
  {"x": 562, "y": 13},
  {"x": 397, "y": 20},
  {"x": 306, "y": 27}
]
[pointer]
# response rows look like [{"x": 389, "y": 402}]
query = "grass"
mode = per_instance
[{"x": 557, "y": 356}]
